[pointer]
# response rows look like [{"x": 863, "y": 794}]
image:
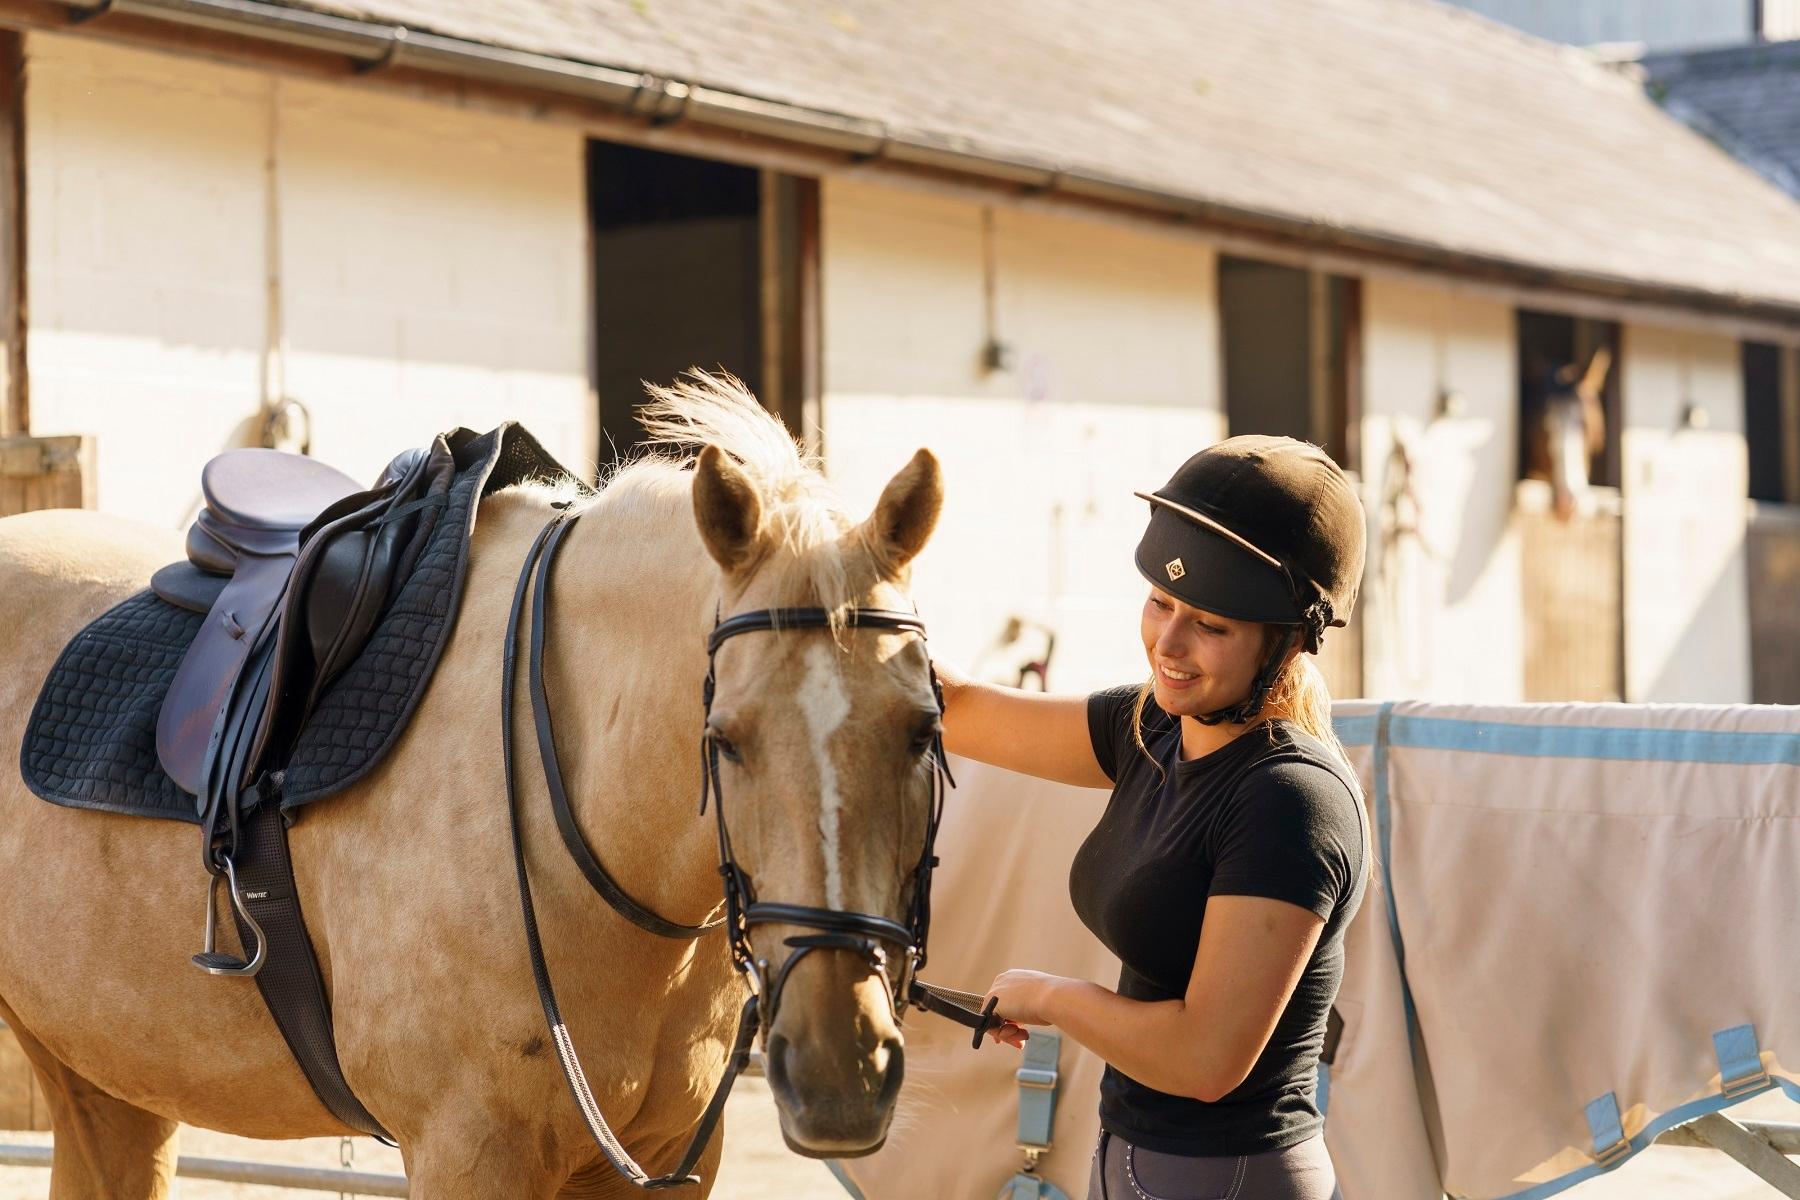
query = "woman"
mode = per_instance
[{"x": 1233, "y": 851}]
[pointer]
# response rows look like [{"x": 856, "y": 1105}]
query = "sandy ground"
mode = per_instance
[{"x": 758, "y": 1167}]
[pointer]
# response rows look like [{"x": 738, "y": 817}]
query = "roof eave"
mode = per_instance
[{"x": 375, "y": 45}]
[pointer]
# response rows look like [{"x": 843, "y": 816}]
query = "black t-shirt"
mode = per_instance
[{"x": 1272, "y": 813}]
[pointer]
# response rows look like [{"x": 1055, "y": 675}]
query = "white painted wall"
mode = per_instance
[
  {"x": 1117, "y": 382},
  {"x": 431, "y": 262},
  {"x": 1687, "y": 623},
  {"x": 1441, "y": 606}
]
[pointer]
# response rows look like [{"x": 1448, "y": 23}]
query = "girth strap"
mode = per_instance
[{"x": 289, "y": 981}]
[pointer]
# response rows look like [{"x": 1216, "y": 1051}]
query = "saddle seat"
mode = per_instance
[{"x": 293, "y": 564}]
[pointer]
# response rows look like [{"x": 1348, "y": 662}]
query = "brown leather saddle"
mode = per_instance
[{"x": 293, "y": 564}]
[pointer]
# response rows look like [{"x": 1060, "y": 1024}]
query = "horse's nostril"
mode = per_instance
[{"x": 893, "y": 1058}]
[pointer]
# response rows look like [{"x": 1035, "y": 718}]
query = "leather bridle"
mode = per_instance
[
  {"x": 865, "y": 934},
  {"x": 862, "y": 933}
]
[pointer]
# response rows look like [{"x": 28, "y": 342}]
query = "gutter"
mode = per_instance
[{"x": 376, "y": 46}]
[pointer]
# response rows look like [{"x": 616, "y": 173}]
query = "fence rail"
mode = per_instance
[{"x": 225, "y": 1170}]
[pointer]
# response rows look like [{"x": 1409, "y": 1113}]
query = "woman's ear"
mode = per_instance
[{"x": 727, "y": 510}]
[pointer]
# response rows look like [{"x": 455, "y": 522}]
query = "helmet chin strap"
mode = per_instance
[{"x": 1259, "y": 687}]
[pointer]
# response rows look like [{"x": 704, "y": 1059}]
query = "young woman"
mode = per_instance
[{"x": 1234, "y": 849}]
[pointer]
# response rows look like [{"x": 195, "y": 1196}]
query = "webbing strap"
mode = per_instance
[
  {"x": 1607, "y": 1130},
  {"x": 1740, "y": 1061},
  {"x": 1037, "y": 1090}
]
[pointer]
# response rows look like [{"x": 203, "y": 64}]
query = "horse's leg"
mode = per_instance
[
  {"x": 599, "y": 1181},
  {"x": 104, "y": 1147},
  {"x": 475, "y": 1156}
]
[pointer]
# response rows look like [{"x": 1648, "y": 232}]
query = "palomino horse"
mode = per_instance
[
  {"x": 1565, "y": 428},
  {"x": 407, "y": 877}
]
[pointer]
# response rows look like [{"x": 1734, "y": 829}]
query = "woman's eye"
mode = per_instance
[{"x": 1159, "y": 604}]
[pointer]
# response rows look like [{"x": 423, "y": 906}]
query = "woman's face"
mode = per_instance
[{"x": 1200, "y": 662}]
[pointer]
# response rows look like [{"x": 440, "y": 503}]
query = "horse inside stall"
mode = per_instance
[
  {"x": 407, "y": 876},
  {"x": 1565, "y": 429}
]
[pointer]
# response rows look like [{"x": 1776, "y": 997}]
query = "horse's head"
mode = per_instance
[
  {"x": 824, "y": 741},
  {"x": 1570, "y": 429}
]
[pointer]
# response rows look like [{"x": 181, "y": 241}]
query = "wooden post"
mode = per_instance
[
  {"x": 15, "y": 411},
  {"x": 51, "y": 472}
]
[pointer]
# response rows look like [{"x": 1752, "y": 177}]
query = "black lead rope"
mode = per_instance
[{"x": 601, "y": 1132}]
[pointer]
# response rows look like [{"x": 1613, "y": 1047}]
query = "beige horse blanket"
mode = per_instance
[{"x": 1580, "y": 935}]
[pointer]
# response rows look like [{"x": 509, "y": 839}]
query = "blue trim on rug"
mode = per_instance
[
  {"x": 1384, "y": 833},
  {"x": 1650, "y": 1132},
  {"x": 1634, "y": 744}
]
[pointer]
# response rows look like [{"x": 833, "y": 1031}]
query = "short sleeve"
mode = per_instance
[
  {"x": 1294, "y": 833},
  {"x": 1109, "y": 725}
]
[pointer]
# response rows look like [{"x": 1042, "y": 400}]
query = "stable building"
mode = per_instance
[{"x": 1061, "y": 247}]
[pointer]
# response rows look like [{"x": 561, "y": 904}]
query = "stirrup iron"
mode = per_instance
[{"x": 210, "y": 959}]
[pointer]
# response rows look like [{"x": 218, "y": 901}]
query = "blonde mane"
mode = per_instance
[{"x": 812, "y": 547}]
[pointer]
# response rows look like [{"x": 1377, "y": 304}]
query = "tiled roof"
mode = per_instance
[
  {"x": 1403, "y": 119},
  {"x": 1747, "y": 98}
]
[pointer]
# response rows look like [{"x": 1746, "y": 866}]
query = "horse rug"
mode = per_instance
[{"x": 1579, "y": 936}]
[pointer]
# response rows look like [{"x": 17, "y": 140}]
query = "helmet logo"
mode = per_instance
[{"x": 1175, "y": 569}]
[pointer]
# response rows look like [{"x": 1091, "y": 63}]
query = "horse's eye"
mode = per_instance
[
  {"x": 723, "y": 744},
  {"x": 924, "y": 740}
]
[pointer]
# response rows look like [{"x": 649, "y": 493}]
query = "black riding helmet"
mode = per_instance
[{"x": 1258, "y": 528}]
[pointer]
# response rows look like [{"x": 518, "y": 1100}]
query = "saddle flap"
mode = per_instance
[{"x": 203, "y": 684}]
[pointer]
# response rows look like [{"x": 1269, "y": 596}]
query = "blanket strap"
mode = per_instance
[
  {"x": 1611, "y": 1146},
  {"x": 1037, "y": 1077},
  {"x": 1741, "y": 1071}
]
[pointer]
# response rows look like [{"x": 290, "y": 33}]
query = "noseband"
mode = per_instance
[
  {"x": 870, "y": 936},
  {"x": 862, "y": 933}
]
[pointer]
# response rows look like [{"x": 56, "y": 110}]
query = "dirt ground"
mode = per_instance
[{"x": 759, "y": 1167}]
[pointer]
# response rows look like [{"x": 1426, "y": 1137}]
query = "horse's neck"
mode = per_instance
[{"x": 632, "y": 599}]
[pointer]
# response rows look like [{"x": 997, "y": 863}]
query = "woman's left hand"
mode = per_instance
[{"x": 1024, "y": 996}]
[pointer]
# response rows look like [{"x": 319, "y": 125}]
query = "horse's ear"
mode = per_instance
[
  {"x": 727, "y": 509},
  {"x": 1593, "y": 380},
  {"x": 907, "y": 512}
]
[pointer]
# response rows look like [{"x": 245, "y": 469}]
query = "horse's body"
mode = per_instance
[{"x": 406, "y": 882}]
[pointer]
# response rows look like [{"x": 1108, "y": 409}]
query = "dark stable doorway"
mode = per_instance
[
  {"x": 1290, "y": 341},
  {"x": 677, "y": 277}
]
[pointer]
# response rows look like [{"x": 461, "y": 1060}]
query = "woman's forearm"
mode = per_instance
[{"x": 1153, "y": 1041}]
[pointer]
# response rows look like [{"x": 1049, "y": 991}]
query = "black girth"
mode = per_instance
[{"x": 866, "y": 934}]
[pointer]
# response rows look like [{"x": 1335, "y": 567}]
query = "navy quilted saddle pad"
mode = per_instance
[{"x": 91, "y": 740}]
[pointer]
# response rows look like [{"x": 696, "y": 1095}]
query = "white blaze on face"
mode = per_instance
[{"x": 825, "y": 704}]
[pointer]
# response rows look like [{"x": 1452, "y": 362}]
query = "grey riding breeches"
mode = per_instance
[{"x": 1122, "y": 1171}]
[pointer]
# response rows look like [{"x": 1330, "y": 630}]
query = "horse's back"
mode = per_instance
[{"x": 59, "y": 569}]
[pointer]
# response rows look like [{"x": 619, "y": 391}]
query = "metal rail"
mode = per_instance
[
  {"x": 1759, "y": 1146},
  {"x": 225, "y": 1170}
]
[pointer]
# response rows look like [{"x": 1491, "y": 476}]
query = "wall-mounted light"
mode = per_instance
[
  {"x": 1450, "y": 404},
  {"x": 997, "y": 355},
  {"x": 1694, "y": 415}
]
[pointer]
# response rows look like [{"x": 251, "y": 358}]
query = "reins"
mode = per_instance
[{"x": 866, "y": 934}]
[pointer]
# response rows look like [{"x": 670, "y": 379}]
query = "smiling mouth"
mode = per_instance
[{"x": 1175, "y": 676}]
